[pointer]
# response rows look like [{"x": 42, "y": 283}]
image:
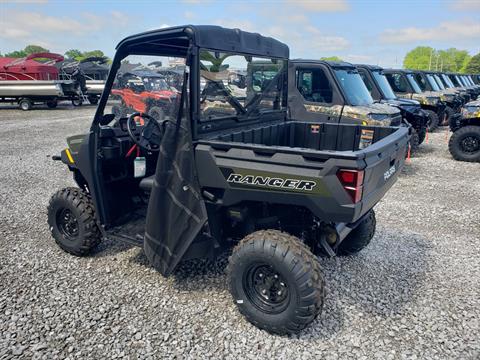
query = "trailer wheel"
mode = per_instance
[
  {"x": 52, "y": 104},
  {"x": 25, "y": 104},
  {"x": 464, "y": 144},
  {"x": 432, "y": 120},
  {"x": 276, "y": 282},
  {"x": 77, "y": 102},
  {"x": 359, "y": 237},
  {"x": 71, "y": 218}
]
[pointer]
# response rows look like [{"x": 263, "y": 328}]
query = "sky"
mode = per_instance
[{"x": 375, "y": 31}]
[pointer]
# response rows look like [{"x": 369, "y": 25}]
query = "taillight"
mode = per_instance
[{"x": 352, "y": 182}]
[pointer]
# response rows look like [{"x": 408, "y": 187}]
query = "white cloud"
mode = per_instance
[
  {"x": 445, "y": 31},
  {"x": 465, "y": 5},
  {"x": 320, "y": 6},
  {"x": 353, "y": 58}
]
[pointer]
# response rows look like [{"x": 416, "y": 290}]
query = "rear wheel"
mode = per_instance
[
  {"x": 71, "y": 218},
  {"x": 464, "y": 144},
  {"x": 25, "y": 104},
  {"x": 359, "y": 237},
  {"x": 432, "y": 120},
  {"x": 276, "y": 281}
]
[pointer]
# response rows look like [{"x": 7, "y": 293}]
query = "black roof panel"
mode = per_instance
[{"x": 207, "y": 36}]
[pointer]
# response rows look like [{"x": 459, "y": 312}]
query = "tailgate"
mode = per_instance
[{"x": 384, "y": 161}]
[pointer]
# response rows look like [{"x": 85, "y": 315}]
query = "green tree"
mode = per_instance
[
  {"x": 473, "y": 66},
  {"x": 420, "y": 58},
  {"x": 452, "y": 60},
  {"x": 73, "y": 54},
  {"x": 331, "y": 58},
  {"x": 29, "y": 49}
]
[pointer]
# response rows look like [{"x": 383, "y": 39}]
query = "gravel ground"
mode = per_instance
[{"x": 413, "y": 293}]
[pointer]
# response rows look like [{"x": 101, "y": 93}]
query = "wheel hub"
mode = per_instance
[
  {"x": 67, "y": 223},
  {"x": 266, "y": 288},
  {"x": 471, "y": 144}
]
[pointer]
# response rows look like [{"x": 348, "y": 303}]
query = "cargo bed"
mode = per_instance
[{"x": 302, "y": 150}]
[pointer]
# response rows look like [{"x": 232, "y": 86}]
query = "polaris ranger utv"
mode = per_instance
[
  {"x": 452, "y": 100},
  {"x": 404, "y": 85},
  {"x": 378, "y": 86},
  {"x": 227, "y": 173},
  {"x": 333, "y": 92},
  {"x": 464, "y": 144}
]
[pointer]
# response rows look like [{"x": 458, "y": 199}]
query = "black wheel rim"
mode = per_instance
[
  {"x": 266, "y": 288},
  {"x": 470, "y": 144},
  {"x": 67, "y": 224}
]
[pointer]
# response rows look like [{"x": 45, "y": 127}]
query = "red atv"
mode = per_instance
[{"x": 144, "y": 91}]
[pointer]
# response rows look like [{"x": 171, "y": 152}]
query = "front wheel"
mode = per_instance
[
  {"x": 432, "y": 120},
  {"x": 276, "y": 281},
  {"x": 52, "y": 104},
  {"x": 71, "y": 218},
  {"x": 77, "y": 102},
  {"x": 92, "y": 99},
  {"x": 25, "y": 104},
  {"x": 464, "y": 144}
]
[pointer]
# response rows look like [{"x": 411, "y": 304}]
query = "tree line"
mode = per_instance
[
  {"x": 449, "y": 60},
  {"x": 73, "y": 54}
]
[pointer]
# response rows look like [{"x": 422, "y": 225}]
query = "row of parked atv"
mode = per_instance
[{"x": 429, "y": 99}]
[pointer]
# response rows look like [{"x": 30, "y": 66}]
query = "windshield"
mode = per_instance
[
  {"x": 239, "y": 86},
  {"x": 432, "y": 82},
  {"x": 469, "y": 81},
  {"x": 459, "y": 81},
  {"x": 155, "y": 84},
  {"x": 413, "y": 83},
  {"x": 383, "y": 84},
  {"x": 439, "y": 82},
  {"x": 353, "y": 86},
  {"x": 447, "y": 80}
]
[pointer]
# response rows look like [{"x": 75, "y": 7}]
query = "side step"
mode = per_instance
[{"x": 135, "y": 241}]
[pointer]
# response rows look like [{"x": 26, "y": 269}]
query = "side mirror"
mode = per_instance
[{"x": 107, "y": 119}]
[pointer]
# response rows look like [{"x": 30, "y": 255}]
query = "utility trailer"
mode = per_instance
[{"x": 227, "y": 174}]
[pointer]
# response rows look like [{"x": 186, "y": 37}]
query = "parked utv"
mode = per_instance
[
  {"x": 404, "y": 85},
  {"x": 333, "y": 92},
  {"x": 143, "y": 91},
  {"x": 453, "y": 102},
  {"x": 380, "y": 89},
  {"x": 458, "y": 82},
  {"x": 244, "y": 175},
  {"x": 464, "y": 144}
]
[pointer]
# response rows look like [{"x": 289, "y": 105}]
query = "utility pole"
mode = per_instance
[
  {"x": 430, "y": 62},
  {"x": 436, "y": 63}
]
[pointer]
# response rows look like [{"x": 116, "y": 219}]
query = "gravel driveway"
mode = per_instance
[{"x": 414, "y": 293}]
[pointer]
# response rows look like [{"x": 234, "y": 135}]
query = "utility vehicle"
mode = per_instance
[
  {"x": 404, "y": 85},
  {"x": 380, "y": 90},
  {"x": 225, "y": 174},
  {"x": 143, "y": 91},
  {"x": 464, "y": 144},
  {"x": 452, "y": 100},
  {"x": 333, "y": 92}
]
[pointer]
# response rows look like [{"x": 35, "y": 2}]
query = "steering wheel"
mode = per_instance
[{"x": 151, "y": 134}]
